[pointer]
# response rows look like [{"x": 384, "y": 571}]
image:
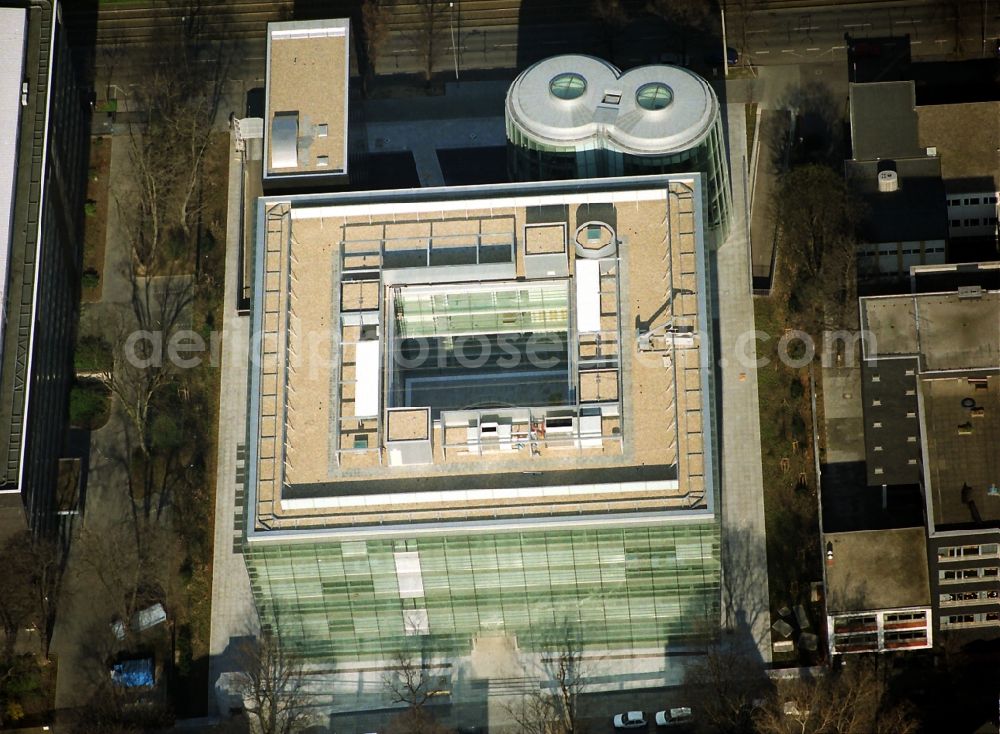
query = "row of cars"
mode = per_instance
[{"x": 667, "y": 717}]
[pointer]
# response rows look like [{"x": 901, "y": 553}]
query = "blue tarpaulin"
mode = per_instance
[{"x": 133, "y": 673}]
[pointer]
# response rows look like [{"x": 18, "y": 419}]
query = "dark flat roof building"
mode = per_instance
[
  {"x": 877, "y": 592},
  {"x": 944, "y": 348},
  {"x": 42, "y": 178},
  {"x": 904, "y": 220}
]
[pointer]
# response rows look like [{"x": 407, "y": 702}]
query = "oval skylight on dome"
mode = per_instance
[
  {"x": 654, "y": 96},
  {"x": 568, "y": 86}
]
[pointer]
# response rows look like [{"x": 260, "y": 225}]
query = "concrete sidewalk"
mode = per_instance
[
  {"x": 745, "y": 603},
  {"x": 233, "y": 613}
]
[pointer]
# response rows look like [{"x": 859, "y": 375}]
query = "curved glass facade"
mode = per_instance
[
  {"x": 628, "y": 588},
  {"x": 531, "y": 160}
]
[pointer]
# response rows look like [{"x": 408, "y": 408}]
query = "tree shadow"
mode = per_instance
[
  {"x": 820, "y": 125},
  {"x": 746, "y": 623}
]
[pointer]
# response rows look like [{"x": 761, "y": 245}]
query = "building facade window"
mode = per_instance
[
  {"x": 961, "y": 598},
  {"x": 979, "y": 619},
  {"x": 958, "y": 552}
]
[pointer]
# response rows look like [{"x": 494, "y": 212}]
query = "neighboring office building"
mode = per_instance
[
  {"x": 905, "y": 218},
  {"x": 405, "y": 493},
  {"x": 305, "y": 122},
  {"x": 877, "y": 595},
  {"x": 966, "y": 137},
  {"x": 580, "y": 117},
  {"x": 943, "y": 430},
  {"x": 42, "y": 179}
]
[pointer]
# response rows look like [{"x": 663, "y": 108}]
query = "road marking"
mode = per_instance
[
  {"x": 857, "y": 25},
  {"x": 807, "y": 28},
  {"x": 813, "y": 49},
  {"x": 914, "y": 43},
  {"x": 908, "y": 22},
  {"x": 760, "y": 53},
  {"x": 838, "y": 48},
  {"x": 787, "y": 51}
]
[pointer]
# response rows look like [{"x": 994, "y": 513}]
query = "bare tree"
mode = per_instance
[
  {"x": 29, "y": 582},
  {"x": 726, "y": 685},
  {"x": 203, "y": 68},
  {"x": 686, "y": 13},
  {"x": 177, "y": 106},
  {"x": 375, "y": 16},
  {"x": 271, "y": 681},
  {"x": 552, "y": 708},
  {"x": 18, "y": 601},
  {"x": 817, "y": 219},
  {"x": 130, "y": 561},
  {"x": 430, "y": 34},
  {"x": 853, "y": 700},
  {"x": 413, "y": 680},
  {"x": 143, "y": 377},
  {"x": 120, "y": 711},
  {"x": 143, "y": 205}
]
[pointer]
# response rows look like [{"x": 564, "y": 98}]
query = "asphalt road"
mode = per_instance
[
  {"x": 798, "y": 36},
  {"x": 595, "y": 710},
  {"x": 774, "y": 32}
]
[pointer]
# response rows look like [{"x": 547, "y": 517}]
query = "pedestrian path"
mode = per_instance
[
  {"x": 233, "y": 614},
  {"x": 744, "y": 550}
]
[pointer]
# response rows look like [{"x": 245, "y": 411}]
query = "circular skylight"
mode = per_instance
[
  {"x": 654, "y": 96},
  {"x": 568, "y": 86}
]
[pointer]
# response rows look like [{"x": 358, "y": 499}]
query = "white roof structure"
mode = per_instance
[
  {"x": 12, "y": 39},
  {"x": 576, "y": 100},
  {"x": 305, "y": 125}
]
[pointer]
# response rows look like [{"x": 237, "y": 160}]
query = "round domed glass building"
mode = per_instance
[{"x": 578, "y": 116}]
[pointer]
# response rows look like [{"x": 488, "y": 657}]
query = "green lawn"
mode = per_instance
[
  {"x": 89, "y": 404},
  {"x": 93, "y": 354}
]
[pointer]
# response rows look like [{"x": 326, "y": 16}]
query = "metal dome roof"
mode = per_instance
[{"x": 674, "y": 119}]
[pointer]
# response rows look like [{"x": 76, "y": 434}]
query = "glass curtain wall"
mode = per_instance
[
  {"x": 623, "y": 588},
  {"x": 529, "y": 160},
  {"x": 707, "y": 158}
]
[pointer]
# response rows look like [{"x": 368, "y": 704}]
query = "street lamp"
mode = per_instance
[
  {"x": 454, "y": 48},
  {"x": 725, "y": 47}
]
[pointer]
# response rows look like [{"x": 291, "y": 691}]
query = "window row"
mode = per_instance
[
  {"x": 905, "y": 617},
  {"x": 905, "y": 636},
  {"x": 967, "y": 574},
  {"x": 974, "y": 222},
  {"x": 892, "y": 250},
  {"x": 970, "y": 620},
  {"x": 958, "y": 552},
  {"x": 972, "y": 201},
  {"x": 968, "y": 597}
]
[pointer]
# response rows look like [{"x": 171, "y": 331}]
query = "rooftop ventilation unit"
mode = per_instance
[
  {"x": 888, "y": 181},
  {"x": 970, "y": 291},
  {"x": 284, "y": 140}
]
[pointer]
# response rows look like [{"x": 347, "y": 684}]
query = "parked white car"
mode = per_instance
[
  {"x": 674, "y": 716},
  {"x": 630, "y": 720}
]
